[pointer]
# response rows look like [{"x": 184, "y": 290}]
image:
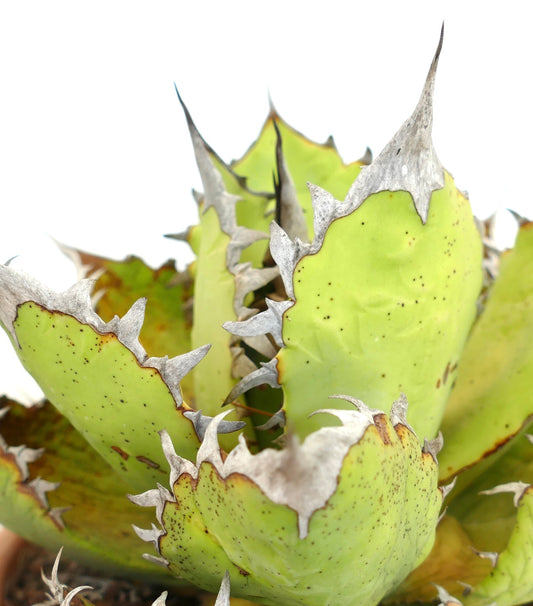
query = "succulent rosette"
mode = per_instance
[{"x": 272, "y": 416}]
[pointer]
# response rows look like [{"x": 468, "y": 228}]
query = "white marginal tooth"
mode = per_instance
[
  {"x": 516, "y": 488},
  {"x": 201, "y": 423},
  {"x": 369, "y": 413},
  {"x": 367, "y": 157},
  {"x": 128, "y": 329},
  {"x": 17, "y": 288},
  {"x": 249, "y": 279},
  {"x": 359, "y": 419},
  {"x": 223, "y": 597},
  {"x": 286, "y": 253},
  {"x": 214, "y": 191},
  {"x": 492, "y": 556},
  {"x": 278, "y": 419},
  {"x": 156, "y": 560},
  {"x": 467, "y": 587},
  {"x": 269, "y": 321},
  {"x": 266, "y": 374},
  {"x": 177, "y": 464},
  {"x": 23, "y": 456},
  {"x": 445, "y": 598},
  {"x": 291, "y": 211},
  {"x": 4, "y": 411},
  {"x": 149, "y": 498},
  {"x": 151, "y": 535},
  {"x": 174, "y": 369},
  {"x": 446, "y": 489},
  {"x": 408, "y": 162},
  {"x": 324, "y": 209},
  {"x": 155, "y": 497},
  {"x": 433, "y": 446},
  {"x": 162, "y": 599},
  {"x": 40, "y": 487},
  {"x": 198, "y": 196},
  {"x": 529, "y": 437},
  {"x": 519, "y": 218},
  {"x": 209, "y": 449},
  {"x": 56, "y": 514},
  {"x": 398, "y": 412},
  {"x": 77, "y": 302},
  {"x": 441, "y": 517},
  {"x": 241, "y": 238}
]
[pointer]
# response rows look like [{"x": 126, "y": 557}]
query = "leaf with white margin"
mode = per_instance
[
  {"x": 360, "y": 496},
  {"x": 223, "y": 277},
  {"x": 296, "y": 161},
  {"x": 68, "y": 496},
  {"x": 385, "y": 295},
  {"x": 98, "y": 375},
  {"x": 387, "y": 278},
  {"x": 476, "y": 527},
  {"x": 119, "y": 284}
]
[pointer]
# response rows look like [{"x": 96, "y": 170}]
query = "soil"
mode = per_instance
[{"x": 25, "y": 587}]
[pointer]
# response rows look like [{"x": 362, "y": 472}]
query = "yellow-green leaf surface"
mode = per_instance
[
  {"x": 511, "y": 580},
  {"x": 213, "y": 305},
  {"x": 98, "y": 517},
  {"x": 492, "y": 399},
  {"x": 384, "y": 307},
  {"x": 167, "y": 325},
  {"x": 306, "y": 161},
  {"x": 385, "y": 506},
  {"x": 475, "y": 522},
  {"x": 116, "y": 404},
  {"x": 489, "y": 521},
  {"x": 452, "y": 561}
]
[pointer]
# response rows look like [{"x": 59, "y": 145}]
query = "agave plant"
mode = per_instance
[{"x": 283, "y": 403}]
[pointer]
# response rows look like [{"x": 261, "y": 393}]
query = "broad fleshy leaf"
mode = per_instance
[
  {"x": 98, "y": 375},
  {"x": 64, "y": 495},
  {"x": 491, "y": 401},
  {"x": 291, "y": 507}
]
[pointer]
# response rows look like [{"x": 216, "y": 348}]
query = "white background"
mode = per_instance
[{"x": 94, "y": 150}]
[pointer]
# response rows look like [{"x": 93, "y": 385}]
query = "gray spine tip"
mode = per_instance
[
  {"x": 445, "y": 598},
  {"x": 433, "y": 447},
  {"x": 266, "y": 374},
  {"x": 492, "y": 556},
  {"x": 518, "y": 489},
  {"x": 223, "y": 597},
  {"x": 201, "y": 423}
]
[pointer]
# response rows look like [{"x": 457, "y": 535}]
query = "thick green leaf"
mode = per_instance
[
  {"x": 87, "y": 513},
  {"x": 491, "y": 400},
  {"x": 167, "y": 325},
  {"x": 307, "y": 162},
  {"x": 287, "y": 548},
  {"x": 97, "y": 382},
  {"x": 511, "y": 580},
  {"x": 384, "y": 307}
]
